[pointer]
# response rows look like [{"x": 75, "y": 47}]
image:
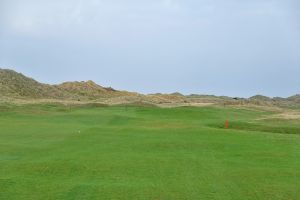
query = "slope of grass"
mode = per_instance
[{"x": 127, "y": 152}]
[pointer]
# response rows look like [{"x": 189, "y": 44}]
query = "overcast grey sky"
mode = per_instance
[{"x": 232, "y": 47}]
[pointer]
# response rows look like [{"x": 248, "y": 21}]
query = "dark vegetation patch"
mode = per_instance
[
  {"x": 138, "y": 104},
  {"x": 89, "y": 105},
  {"x": 4, "y": 108}
]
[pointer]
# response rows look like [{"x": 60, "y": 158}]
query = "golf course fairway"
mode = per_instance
[{"x": 52, "y": 151}]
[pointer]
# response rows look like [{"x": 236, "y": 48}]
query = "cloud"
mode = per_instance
[
  {"x": 98, "y": 16},
  {"x": 190, "y": 40}
]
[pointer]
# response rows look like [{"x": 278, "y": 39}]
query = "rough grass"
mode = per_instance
[{"x": 126, "y": 152}]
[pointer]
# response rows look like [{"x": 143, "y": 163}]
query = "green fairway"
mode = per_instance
[{"x": 126, "y": 152}]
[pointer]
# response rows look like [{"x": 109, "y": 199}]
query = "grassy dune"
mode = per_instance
[{"x": 127, "y": 152}]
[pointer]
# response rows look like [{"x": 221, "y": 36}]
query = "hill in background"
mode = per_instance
[{"x": 16, "y": 86}]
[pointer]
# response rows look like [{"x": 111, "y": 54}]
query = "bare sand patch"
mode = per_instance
[{"x": 284, "y": 115}]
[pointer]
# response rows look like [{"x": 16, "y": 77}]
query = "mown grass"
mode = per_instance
[{"x": 125, "y": 152}]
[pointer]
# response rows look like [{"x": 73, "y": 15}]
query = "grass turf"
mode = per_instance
[{"x": 126, "y": 152}]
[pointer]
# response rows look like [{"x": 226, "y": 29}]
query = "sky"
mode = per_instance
[{"x": 232, "y": 47}]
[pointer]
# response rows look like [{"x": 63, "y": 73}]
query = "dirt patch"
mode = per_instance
[
  {"x": 288, "y": 116},
  {"x": 285, "y": 115}
]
